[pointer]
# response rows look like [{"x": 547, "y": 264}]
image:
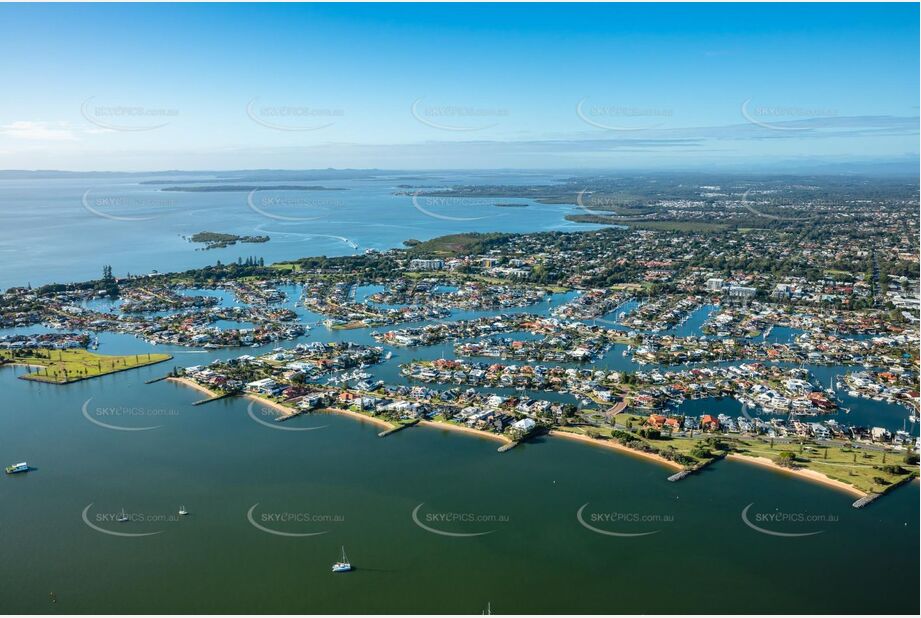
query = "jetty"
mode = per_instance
[
  {"x": 862, "y": 502},
  {"x": 399, "y": 427},
  {"x": 288, "y": 416},
  {"x": 215, "y": 398}
]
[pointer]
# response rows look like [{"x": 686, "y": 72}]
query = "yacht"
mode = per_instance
[
  {"x": 182, "y": 511},
  {"x": 122, "y": 517},
  {"x": 342, "y": 566}
]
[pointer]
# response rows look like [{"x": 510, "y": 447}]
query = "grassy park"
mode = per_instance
[
  {"x": 64, "y": 366},
  {"x": 867, "y": 468}
]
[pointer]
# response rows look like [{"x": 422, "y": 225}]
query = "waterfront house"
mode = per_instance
[{"x": 709, "y": 423}]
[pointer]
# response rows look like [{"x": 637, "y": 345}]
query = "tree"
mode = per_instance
[{"x": 786, "y": 459}]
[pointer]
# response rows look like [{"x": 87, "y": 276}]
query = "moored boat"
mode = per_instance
[
  {"x": 343, "y": 565},
  {"x": 17, "y": 468}
]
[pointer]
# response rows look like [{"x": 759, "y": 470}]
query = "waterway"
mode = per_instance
[{"x": 339, "y": 483}]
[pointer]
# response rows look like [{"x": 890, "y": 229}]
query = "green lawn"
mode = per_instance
[
  {"x": 862, "y": 468},
  {"x": 868, "y": 470},
  {"x": 63, "y": 366}
]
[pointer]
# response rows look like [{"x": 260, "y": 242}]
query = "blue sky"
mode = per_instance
[{"x": 127, "y": 87}]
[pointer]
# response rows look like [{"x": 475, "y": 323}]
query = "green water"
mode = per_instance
[{"x": 537, "y": 557}]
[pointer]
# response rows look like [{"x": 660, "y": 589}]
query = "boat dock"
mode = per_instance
[
  {"x": 399, "y": 427},
  {"x": 862, "y": 502},
  {"x": 215, "y": 398}
]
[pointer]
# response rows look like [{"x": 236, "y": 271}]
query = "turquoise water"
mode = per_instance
[{"x": 67, "y": 229}]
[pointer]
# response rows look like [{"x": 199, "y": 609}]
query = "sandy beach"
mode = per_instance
[
  {"x": 357, "y": 415},
  {"x": 810, "y": 475},
  {"x": 282, "y": 409},
  {"x": 612, "y": 444},
  {"x": 192, "y": 384},
  {"x": 467, "y": 430}
]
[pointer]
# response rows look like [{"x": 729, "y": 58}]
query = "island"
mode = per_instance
[{"x": 216, "y": 240}]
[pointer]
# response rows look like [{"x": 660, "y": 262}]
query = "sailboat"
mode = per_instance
[
  {"x": 122, "y": 517},
  {"x": 344, "y": 565},
  {"x": 182, "y": 511}
]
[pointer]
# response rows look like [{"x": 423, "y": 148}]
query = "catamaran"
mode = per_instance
[{"x": 344, "y": 565}]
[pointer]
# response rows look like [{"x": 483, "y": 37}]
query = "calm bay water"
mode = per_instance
[
  {"x": 67, "y": 229},
  {"x": 530, "y": 554},
  {"x": 218, "y": 462}
]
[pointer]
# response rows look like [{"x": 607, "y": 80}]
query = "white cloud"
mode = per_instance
[{"x": 37, "y": 130}]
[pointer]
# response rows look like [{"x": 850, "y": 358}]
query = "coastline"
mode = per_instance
[
  {"x": 192, "y": 384},
  {"x": 809, "y": 475},
  {"x": 764, "y": 462},
  {"x": 34, "y": 377},
  {"x": 467, "y": 430},
  {"x": 357, "y": 415},
  {"x": 613, "y": 444},
  {"x": 285, "y": 410}
]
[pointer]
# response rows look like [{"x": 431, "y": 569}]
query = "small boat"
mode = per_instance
[
  {"x": 182, "y": 511},
  {"x": 342, "y": 566},
  {"x": 122, "y": 517},
  {"x": 17, "y": 468}
]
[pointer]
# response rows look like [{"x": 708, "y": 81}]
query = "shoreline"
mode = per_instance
[
  {"x": 34, "y": 376},
  {"x": 803, "y": 473},
  {"x": 192, "y": 384},
  {"x": 614, "y": 445},
  {"x": 467, "y": 430},
  {"x": 285, "y": 410},
  {"x": 764, "y": 462},
  {"x": 358, "y": 415}
]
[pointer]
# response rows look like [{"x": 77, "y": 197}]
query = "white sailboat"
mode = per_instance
[
  {"x": 342, "y": 566},
  {"x": 182, "y": 511},
  {"x": 122, "y": 517}
]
